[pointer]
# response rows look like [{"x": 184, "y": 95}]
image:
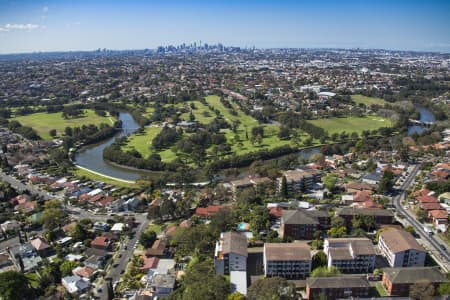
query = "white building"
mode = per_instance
[
  {"x": 401, "y": 249},
  {"x": 350, "y": 255},
  {"x": 75, "y": 284},
  {"x": 290, "y": 261}
]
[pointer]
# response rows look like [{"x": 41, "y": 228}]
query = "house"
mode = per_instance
[
  {"x": 350, "y": 255},
  {"x": 75, "y": 284},
  {"x": 209, "y": 211},
  {"x": 131, "y": 204},
  {"x": 444, "y": 198},
  {"x": 372, "y": 178},
  {"x": 299, "y": 180},
  {"x": 149, "y": 263},
  {"x": 354, "y": 187},
  {"x": 26, "y": 207},
  {"x": 230, "y": 253},
  {"x": 381, "y": 216},
  {"x": 85, "y": 272},
  {"x": 6, "y": 263},
  {"x": 398, "y": 281},
  {"x": 41, "y": 246},
  {"x": 303, "y": 224},
  {"x": 158, "y": 249},
  {"x": 290, "y": 261},
  {"x": 336, "y": 287},
  {"x": 101, "y": 242},
  {"x": 96, "y": 258},
  {"x": 162, "y": 285},
  {"x": 439, "y": 218},
  {"x": 10, "y": 226},
  {"x": 401, "y": 249},
  {"x": 117, "y": 228},
  {"x": 101, "y": 226},
  {"x": 24, "y": 257}
]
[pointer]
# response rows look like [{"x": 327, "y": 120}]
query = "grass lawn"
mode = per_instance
[
  {"x": 367, "y": 101},
  {"x": 243, "y": 118},
  {"x": 201, "y": 113},
  {"x": 381, "y": 290},
  {"x": 44, "y": 122},
  {"x": 155, "y": 227},
  {"x": 92, "y": 176},
  {"x": 351, "y": 124}
]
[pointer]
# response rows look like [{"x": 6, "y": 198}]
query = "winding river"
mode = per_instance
[{"x": 91, "y": 157}]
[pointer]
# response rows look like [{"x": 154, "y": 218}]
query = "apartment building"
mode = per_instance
[
  {"x": 290, "y": 261},
  {"x": 230, "y": 253},
  {"x": 401, "y": 249},
  {"x": 303, "y": 224},
  {"x": 299, "y": 180},
  {"x": 350, "y": 255}
]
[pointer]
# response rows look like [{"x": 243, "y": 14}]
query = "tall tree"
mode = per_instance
[{"x": 271, "y": 288}]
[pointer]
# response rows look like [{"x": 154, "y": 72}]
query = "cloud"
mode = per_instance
[
  {"x": 29, "y": 27},
  {"x": 45, "y": 9}
]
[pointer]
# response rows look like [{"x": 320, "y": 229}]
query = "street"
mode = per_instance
[
  {"x": 433, "y": 242},
  {"x": 17, "y": 185}
]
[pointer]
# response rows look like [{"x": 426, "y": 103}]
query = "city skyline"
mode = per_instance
[{"x": 33, "y": 26}]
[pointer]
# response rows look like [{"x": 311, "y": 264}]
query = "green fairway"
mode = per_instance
[
  {"x": 83, "y": 173},
  {"x": 201, "y": 113},
  {"x": 44, "y": 122},
  {"x": 241, "y": 117},
  {"x": 367, "y": 101},
  {"x": 352, "y": 124}
]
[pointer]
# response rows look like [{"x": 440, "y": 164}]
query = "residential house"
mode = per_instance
[
  {"x": 372, "y": 178},
  {"x": 24, "y": 257},
  {"x": 75, "y": 284},
  {"x": 290, "y": 261},
  {"x": 350, "y": 255},
  {"x": 162, "y": 285},
  {"x": 398, "y": 281},
  {"x": 85, "y": 272},
  {"x": 337, "y": 288},
  {"x": 101, "y": 242},
  {"x": 158, "y": 249},
  {"x": 101, "y": 226},
  {"x": 303, "y": 224},
  {"x": 117, "y": 228},
  {"x": 439, "y": 218},
  {"x": 401, "y": 249},
  {"x": 10, "y": 226},
  {"x": 209, "y": 211},
  {"x": 96, "y": 258},
  {"x": 6, "y": 263},
  {"x": 354, "y": 187},
  {"x": 41, "y": 245}
]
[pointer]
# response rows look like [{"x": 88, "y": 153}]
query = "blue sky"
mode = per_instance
[{"x": 27, "y": 26}]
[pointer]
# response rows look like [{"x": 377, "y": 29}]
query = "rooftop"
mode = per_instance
[{"x": 287, "y": 252}]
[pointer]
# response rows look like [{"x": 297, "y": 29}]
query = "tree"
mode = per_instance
[
  {"x": 271, "y": 288},
  {"x": 284, "y": 190},
  {"x": 53, "y": 216},
  {"x": 319, "y": 259},
  {"x": 236, "y": 296},
  {"x": 386, "y": 182},
  {"x": 14, "y": 285},
  {"x": 167, "y": 209},
  {"x": 422, "y": 289},
  {"x": 52, "y": 132},
  {"x": 410, "y": 229},
  {"x": 330, "y": 181},
  {"x": 66, "y": 267},
  {"x": 147, "y": 238},
  {"x": 337, "y": 232},
  {"x": 325, "y": 271},
  {"x": 443, "y": 289},
  {"x": 422, "y": 215},
  {"x": 284, "y": 132}
]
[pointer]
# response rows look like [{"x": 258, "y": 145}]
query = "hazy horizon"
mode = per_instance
[{"x": 49, "y": 26}]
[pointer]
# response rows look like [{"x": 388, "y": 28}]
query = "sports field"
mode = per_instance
[
  {"x": 44, "y": 122},
  {"x": 352, "y": 124},
  {"x": 367, "y": 101}
]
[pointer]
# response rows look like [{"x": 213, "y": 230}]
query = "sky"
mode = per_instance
[{"x": 64, "y": 25}]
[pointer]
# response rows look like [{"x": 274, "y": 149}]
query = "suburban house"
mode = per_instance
[
  {"x": 299, "y": 180},
  {"x": 399, "y": 280},
  {"x": 209, "y": 211},
  {"x": 439, "y": 218},
  {"x": 290, "y": 261},
  {"x": 303, "y": 224},
  {"x": 101, "y": 242},
  {"x": 350, "y": 255},
  {"x": 75, "y": 284},
  {"x": 24, "y": 257},
  {"x": 372, "y": 178},
  {"x": 162, "y": 285},
  {"x": 42, "y": 247},
  {"x": 85, "y": 272},
  {"x": 158, "y": 249},
  {"x": 336, "y": 287},
  {"x": 401, "y": 249}
]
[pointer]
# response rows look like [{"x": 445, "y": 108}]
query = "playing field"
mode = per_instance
[
  {"x": 352, "y": 124},
  {"x": 367, "y": 101},
  {"x": 44, "y": 122}
]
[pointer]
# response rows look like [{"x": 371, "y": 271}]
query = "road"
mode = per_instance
[
  {"x": 18, "y": 185},
  {"x": 433, "y": 242},
  {"x": 116, "y": 272}
]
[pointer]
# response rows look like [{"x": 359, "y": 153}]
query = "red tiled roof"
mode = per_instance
[
  {"x": 209, "y": 211},
  {"x": 427, "y": 199},
  {"x": 149, "y": 262},
  {"x": 430, "y": 206},
  {"x": 100, "y": 241},
  {"x": 438, "y": 214}
]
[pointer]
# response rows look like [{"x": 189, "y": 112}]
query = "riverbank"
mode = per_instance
[{"x": 93, "y": 175}]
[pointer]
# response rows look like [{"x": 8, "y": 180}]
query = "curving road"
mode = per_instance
[{"x": 432, "y": 240}]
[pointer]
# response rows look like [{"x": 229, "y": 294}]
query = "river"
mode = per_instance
[
  {"x": 425, "y": 116},
  {"x": 91, "y": 157}
]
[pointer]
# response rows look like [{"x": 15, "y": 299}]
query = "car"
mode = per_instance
[
  {"x": 120, "y": 255},
  {"x": 123, "y": 271},
  {"x": 99, "y": 290},
  {"x": 115, "y": 265},
  {"x": 443, "y": 247},
  {"x": 126, "y": 247}
]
